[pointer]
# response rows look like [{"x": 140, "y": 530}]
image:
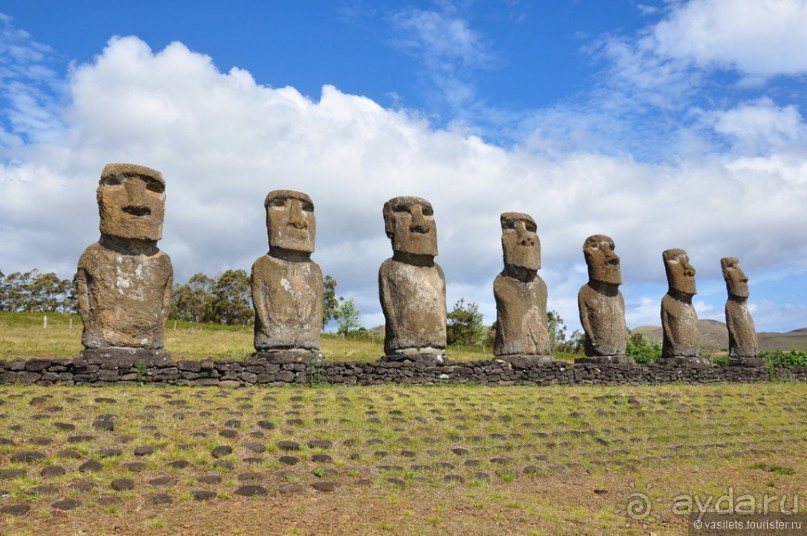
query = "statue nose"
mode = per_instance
[
  {"x": 135, "y": 190},
  {"x": 418, "y": 224},
  {"x": 296, "y": 218},
  {"x": 524, "y": 237}
]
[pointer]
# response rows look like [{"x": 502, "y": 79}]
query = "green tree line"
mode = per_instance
[
  {"x": 227, "y": 299},
  {"x": 35, "y": 292}
]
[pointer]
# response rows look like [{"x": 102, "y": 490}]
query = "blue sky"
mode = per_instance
[{"x": 661, "y": 123}]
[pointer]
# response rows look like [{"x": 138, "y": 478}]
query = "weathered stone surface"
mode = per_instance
[
  {"x": 287, "y": 489},
  {"x": 90, "y": 466},
  {"x": 221, "y": 450},
  {"x": 742, "y": 334},
  {"x": 15, "y": 509},
  {"x": 501, "y": 371},
  {"x": 297, "y": 355},
  {"x": 203, "y": 495},
  {"x": 122, "y": 484},
  {"x": 287, "y": 286},
  {"x": 326, "y": 487},
  {"x": 251, "y": 491},
  {"x": 66, "y": 504},
  {"x": 124, "y": 281},
  {"x": 520, "y": 293},
  {"x": 27, "y": 456},
  {"x": 679, "y": 321},
  {"x": 122, "y": 354},
  {"x": 601, "y": 305},
  {"x": 411, "y": 285}
]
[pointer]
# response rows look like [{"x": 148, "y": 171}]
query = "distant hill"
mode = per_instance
[{"x": 715, "y": 336}]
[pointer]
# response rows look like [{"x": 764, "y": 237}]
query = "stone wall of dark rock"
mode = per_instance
[{"x": 492, "y": 372}]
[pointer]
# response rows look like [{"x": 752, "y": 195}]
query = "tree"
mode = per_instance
[
  {"x": 193, "y": 301},
  {"x": 35, "y": 292},
  {"x": 559, "y": 341},
  {"x": 347, "y": 317},
  {"x": 331, "y": 303},
  {"x": 231, "y": 299},
  {"x": 464, "y": 324}
]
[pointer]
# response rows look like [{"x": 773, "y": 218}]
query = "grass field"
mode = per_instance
[
  {"x": 383, "y": 459},
  {"x": 23, "y": 335},
  {"x": 391, "y": 459}
]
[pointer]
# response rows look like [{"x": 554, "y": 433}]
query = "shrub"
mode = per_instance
[
  {"x": 778, "y": 358},
  {"x": 642, "y": 349}
]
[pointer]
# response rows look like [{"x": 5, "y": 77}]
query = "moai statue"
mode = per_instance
[
  {"x": 522, "y": 332},
  {"x": 411, "y": 286},
  {"x": 123, "y": 280},
  {"x": 679, "y": 321},
  {"x": 602, "y": 308},
  {"x": 742, "y": 335},
  {"x": 287, "y": 286}
]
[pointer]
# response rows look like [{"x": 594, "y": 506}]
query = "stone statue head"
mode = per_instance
[
  {"x": 131, "y": 202},
  {"x": 290, "y": 221},
  {"x": 520, "y": 243},
  {"x": 602, "y": 260},
  {"x": 680, "y": 274},
  {"x": 409, "y": 222},
  {"x": 736, "y": 280}
]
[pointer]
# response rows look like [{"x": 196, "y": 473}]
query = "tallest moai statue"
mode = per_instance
[{"x": 123, "y": 280}]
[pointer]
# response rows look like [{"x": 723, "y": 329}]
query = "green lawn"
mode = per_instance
[{"x": 23, "y": 336}]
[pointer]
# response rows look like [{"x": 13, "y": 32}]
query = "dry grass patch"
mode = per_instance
[{"x": 23, "y": 336}]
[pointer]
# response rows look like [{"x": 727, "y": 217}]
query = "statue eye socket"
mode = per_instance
[
  {"x": 426, "y": 211},
  {"x": 111, "y": 181},
  {"x": 154, "y": 186},
  {"x": 279, "y": 202},
  {"x": 308, "y": 207},
  {"x": 508, "y": 224},
  {"x": 530, "y": 227}
]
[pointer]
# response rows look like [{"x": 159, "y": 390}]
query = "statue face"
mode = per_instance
[
  {"x": 680, "y": 274},
  {"x": 131, "y": 202},
  {"x": 602, "y": 260},
  {"x": 290, "y": 221},
  {"x": 520, "y": 243},
  {"x": 409, "y": 222},
  {"x": 736, "y": 280}
]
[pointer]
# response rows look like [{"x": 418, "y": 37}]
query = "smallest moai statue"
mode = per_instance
[
  {"x": 522, "y": 332},
  {"x": 123, "y": 282},
  {"x": 679, "y": 321},
  {"x": 287, "y": 286},
  {"x": 742, "y": 335},
  {"x": 601, "y": 305}
]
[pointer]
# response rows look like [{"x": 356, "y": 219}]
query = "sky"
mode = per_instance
[{"x": 661, "y": 123}]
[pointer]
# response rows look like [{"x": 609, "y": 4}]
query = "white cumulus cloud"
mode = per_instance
[
  {"x": 759, "y": 37},
  {"x": 223, "y": 141}
]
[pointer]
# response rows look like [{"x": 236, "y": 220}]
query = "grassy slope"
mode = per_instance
[{"x": 715, "y": 337}]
